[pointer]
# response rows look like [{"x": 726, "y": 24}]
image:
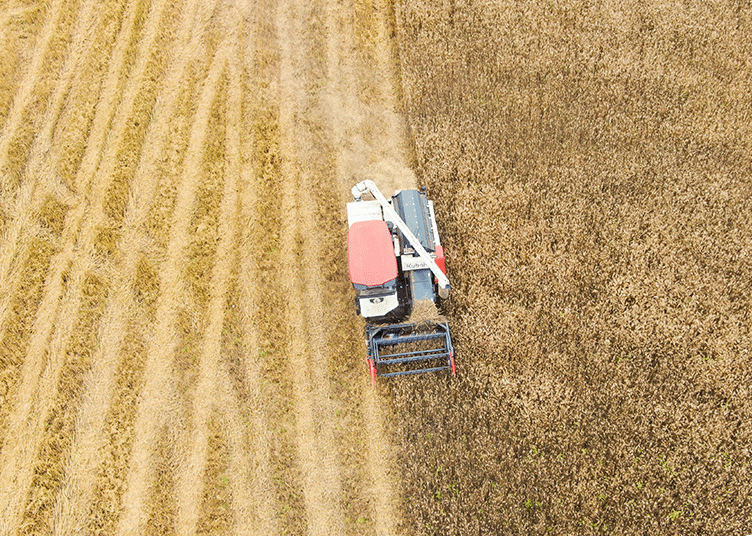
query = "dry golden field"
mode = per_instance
[
  {"x": 179, "y": 353},
  {"x": 591, "y": 163}
]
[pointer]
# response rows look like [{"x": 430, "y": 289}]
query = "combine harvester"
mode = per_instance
[{"x": 397, "y": 268}]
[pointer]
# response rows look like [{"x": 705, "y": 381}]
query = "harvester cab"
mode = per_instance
[{"x": 397, "y": 268}]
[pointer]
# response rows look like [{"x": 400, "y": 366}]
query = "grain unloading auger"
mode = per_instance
[{"x": 397, "y": 268}]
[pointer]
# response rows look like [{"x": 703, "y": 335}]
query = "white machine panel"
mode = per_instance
[
  {"x": 370, "y": 307},
  {"x": 363, "y": 211}
]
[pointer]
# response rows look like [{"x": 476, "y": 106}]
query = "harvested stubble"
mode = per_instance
[
  {"x": 98, "y": 107},
  {"x": 21, "y": 318},
  {"x": 50, "y": 464},
  {"x": 591, "y": 169}
]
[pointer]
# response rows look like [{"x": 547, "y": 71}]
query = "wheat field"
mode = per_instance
[
  {"x": 591, "y": 166},
  {"x": 179, "y": 351}
]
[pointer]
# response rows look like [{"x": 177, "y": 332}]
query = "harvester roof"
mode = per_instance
[{"x": 371, "y": 253}]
